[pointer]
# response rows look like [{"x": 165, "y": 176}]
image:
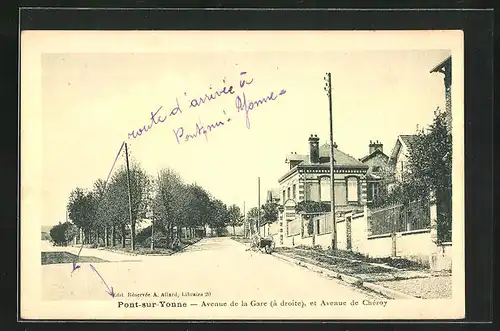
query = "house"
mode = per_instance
[
  {"x": 378, "y": 170},
  {"x": 399, "y": 158},
  {"x": 273, "y": 195},
  {"x": 444, "y": 68},
  {"x": 308, "y": 177}
]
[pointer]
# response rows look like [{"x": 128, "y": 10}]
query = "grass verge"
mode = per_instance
[
  {"x": 65, "y": 257},
  {"x": 399, "y": 263},
  {"x": 142, "y": 250}
]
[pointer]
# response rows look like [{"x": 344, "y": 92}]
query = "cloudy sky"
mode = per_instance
[{"x": 91, "y": 101}]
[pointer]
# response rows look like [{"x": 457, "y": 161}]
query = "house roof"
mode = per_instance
[
  {"x": 442, "y": 64},
  {"x": 296, "y": 157},
  {"x": 408, "y": 139},
  {"x": 341, "y": 159},
  {"x": 371, "y": 176},
  {"x": 403, "y": 140},
  {"x": 373, "y": 154}
]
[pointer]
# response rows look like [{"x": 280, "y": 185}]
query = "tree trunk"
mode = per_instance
[
  {"x": 234, "y": 232},
  {"x": 97, "y": 236},
  {"x": 106, "y": 236},
  {"x": 171, "y": 234},
  {"x": 113, "y": 235},
  {"x": 132, "y": 235},
  {"x": 123, "y": 235}
]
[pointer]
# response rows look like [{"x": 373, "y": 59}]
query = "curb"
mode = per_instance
[
  {"x": 355, "y": 281},
  {"x": 140, "y": 255},
  {"x": 393, "y": 294},
  {"x": 183, "y": 248}
]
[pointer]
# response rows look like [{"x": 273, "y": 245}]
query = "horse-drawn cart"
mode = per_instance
[{"x": 264, "y": 243}]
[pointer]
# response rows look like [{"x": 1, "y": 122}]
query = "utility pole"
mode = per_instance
[
  {"x": 132, "y": 225},
  {"x": 258, "y": 202},
  {"x": 328, "y": 89}
]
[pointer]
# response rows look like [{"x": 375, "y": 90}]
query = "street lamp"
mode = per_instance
[{"x": 328, "y": 90}]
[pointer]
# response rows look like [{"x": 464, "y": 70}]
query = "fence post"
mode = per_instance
[
  {"x": 433, "y": 218},
  {"x": 393, "y": 233},
  {"x": 348, "y": 232}
]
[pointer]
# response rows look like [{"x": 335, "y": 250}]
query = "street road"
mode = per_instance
[{"x": 218, "y": 268}]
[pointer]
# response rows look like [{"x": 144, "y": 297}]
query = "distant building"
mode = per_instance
[
  {"x": 377, "y": 161},
  {"x": 399, "y": 159},
  {"x": 273, "y": 195},
  {"x": 444, "y": 68},
  {"x": 308, "y": 177}
]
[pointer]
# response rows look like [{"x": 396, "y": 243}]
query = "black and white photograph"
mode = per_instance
[{"x": 209, "y": 175}]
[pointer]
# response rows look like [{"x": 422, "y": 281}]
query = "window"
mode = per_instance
[
  {"x": 352, "y": 189},
  {"x": 294, "y": 191},
  {"x": 312, "y": 191},
  {"x": 340, "y": 193},
  {"x": 288, "y": 193},
  {"x": 284, "y": 197},
  {"x": 325, "y": 189},
  {"x": 369, "y": 192}
]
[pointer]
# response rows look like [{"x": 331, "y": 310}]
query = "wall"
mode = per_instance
[
  {"x": 417, "y": 245},
  {"x": 289, "y": 184},
  {"x": 402, "y": 158},
  {"x": 359, "y": 231},
  {"x": 341, "y": 234},
  {"x": 324, "y": 240},
  {"x": 442, "y": 259},
  {"x": 378, "y": 246}
]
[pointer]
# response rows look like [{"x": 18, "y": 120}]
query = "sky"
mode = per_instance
[{"x": 91, "y": 102}]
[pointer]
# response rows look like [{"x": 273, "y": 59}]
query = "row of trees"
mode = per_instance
[
  {"x": 63, "y": 233},
  {"x": 108, "y": 212}
]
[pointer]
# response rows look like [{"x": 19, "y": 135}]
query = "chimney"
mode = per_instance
[
  {"x": 374, "y": 145},
  {"x": 314, "y": 149}
]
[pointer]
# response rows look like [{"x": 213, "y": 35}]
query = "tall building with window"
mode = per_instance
[
  {"x": 308, "y": 177},
  {"x": 444, "y": 68}
]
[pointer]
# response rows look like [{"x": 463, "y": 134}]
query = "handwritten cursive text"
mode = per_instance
[{"x": 243, "y": 105}]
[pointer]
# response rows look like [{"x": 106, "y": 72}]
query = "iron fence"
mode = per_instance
[{"x": 400, "y": 218}]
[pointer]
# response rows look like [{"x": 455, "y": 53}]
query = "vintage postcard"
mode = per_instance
[{"x": 207, "y": 175}]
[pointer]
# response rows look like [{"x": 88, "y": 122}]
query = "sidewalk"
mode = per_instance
[{"x": 407, "y": 280}]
